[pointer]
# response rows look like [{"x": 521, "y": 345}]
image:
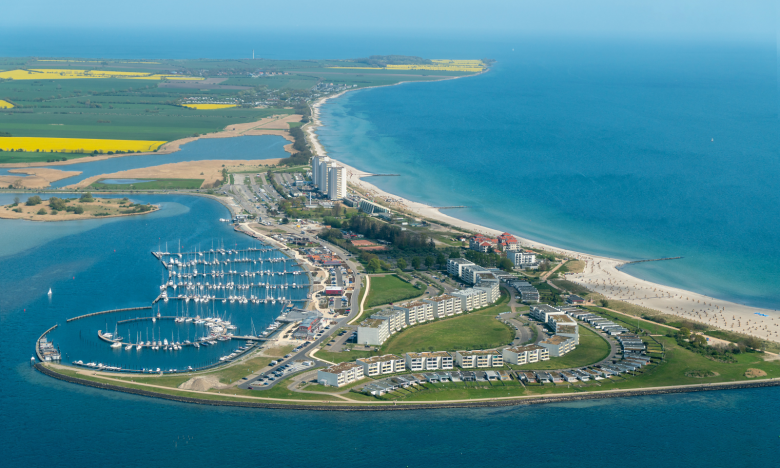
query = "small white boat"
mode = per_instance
[{"x": 49, "y": 291}]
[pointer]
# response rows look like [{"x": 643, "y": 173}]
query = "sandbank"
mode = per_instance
[
  {"x": 38, "y": 177},
  {"x": 99, "y": 205},
  {"x": 208, "y": 170}
]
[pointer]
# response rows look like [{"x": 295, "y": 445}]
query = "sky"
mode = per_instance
[{"x": 702, "y": 19}]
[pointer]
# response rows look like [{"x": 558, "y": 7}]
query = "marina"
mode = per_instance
[{"x": 213, "y": 306}]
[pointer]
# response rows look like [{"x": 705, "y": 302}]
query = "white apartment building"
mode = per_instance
[
  {"x": 455, "y": 266},
  {"x": 315, "y": 173},
  {"x": 520, "y": 355},
  {"x": 491, "y": 287},
  {"x": 522, "y": 257},
  {"x": 557, "y": 320},
  {"x": 569, "y": 331},
  {"x": 558, "y": 345},
  {"x": 380, "y": 365},
  {"x": 323, "y": 172},
  {"x": 340, "y": 374},
  {"x": 479, "y": 358},
  {"x": 373, "y": 332},
  {"x": 471, "y": 298},
  {"x": 469, "y": 273},
  {"x": 396, "y": 319},
  {"x": 542, "y": 312},
  {"x": 337, "y": 182},
  {"x": 438, "y": 360},
  {"x": 416, "y": 311},
  {"x": 444, "y": 305}
]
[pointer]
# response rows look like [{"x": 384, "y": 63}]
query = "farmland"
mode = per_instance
[
  {"x": 76, "y": 145},
  {"x": 166, "y": 100}
]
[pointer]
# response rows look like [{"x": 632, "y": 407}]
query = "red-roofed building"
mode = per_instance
[
  {"x": 507, "y": 242},
  {"x": 482, "y": 243}
]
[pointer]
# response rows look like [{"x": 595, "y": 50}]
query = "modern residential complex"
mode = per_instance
[
  {"x": 429, "y": 361},
  {"x": 340, "y": 374},
  {"x": 479, "y": 358},
  {"x": 520, "y": 355},
  {"x": 380, "y": 365},
  {"x": 373, "y": 332}
]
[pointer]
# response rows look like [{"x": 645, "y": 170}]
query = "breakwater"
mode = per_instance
[
  {"x": 107, "y": 312},
  {"x": 543, "y": 400}
]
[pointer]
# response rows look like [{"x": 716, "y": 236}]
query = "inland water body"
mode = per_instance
[{"x": 237, "y": 148}]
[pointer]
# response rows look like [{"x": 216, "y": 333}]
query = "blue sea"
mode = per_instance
[{"x": 634, "y": 151}]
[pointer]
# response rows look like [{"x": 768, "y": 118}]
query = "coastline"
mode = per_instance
[
  {"x": 601, "y": 274},
  {"x": 325, "y": 405}
]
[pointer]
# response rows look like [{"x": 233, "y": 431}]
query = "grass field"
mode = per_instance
[
  {"x": 159, "y": 184},
  {"x": 26, "y": 157},
  {"x": 592, "y": 349},
  {"x": 477, "y": 330},
  {"x": 390, "y": 288}
]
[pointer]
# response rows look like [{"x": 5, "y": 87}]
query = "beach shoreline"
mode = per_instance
[{"x": 601, "y": 274}]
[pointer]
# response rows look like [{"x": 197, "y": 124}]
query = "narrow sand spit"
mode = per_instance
[
  {"x": 38, "y": 177},
  {"x": 210, "y": 171}
]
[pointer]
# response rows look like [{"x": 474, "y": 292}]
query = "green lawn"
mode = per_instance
[
  {"x": 477, "y": 330},
  {"x": 390, "y": 288},
  {"x": 592, "y": 349},
  {"x": 7, "y": 157},
  {"x": 157, "y": 184}
]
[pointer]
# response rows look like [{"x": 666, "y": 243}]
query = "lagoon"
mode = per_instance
[{"x": 236, "y": 148}]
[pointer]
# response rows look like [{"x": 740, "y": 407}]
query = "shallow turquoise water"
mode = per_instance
[{"x": 633, "y": 151}]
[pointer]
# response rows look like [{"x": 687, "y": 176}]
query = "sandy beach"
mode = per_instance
[{"x": 601, "y": 274}]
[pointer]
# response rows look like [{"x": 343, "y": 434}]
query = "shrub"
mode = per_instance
[
  {"x": 42, "y": 211},
  {"x": 34, "y": 200}
]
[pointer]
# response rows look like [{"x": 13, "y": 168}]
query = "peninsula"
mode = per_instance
[{"x": 406, "y": 307}]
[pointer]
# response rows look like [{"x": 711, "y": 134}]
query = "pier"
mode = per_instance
[
  {"x": 653, "y": 260},
  {"x": 107, "y": 312}
]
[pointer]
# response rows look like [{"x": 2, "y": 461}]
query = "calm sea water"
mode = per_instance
[
  {"x": 554, "y": 111},
  {"x": 633, "y": 151},
  {"x": 239, "y": 148}
]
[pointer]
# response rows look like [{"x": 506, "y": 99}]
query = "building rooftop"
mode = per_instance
[
  {"x": 429, "y": 355},
  {"x": 440, "y": 298},
  {"x": 371, "y": 323},
  {"x": 522, "y": 349},
  {"x": 567, "y": 329},
  {"x": 545, "y": 308},
  {"x": 562, "y": 318},
  {"x": 479, "y": 352},
  {"x": 555, "y": 340},
  {"x": 386, "y": 357},
  {"x": 461, "y": 261},
  {"x": 344, "y": 366}
]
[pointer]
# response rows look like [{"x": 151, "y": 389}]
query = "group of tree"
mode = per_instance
[{"x": 301, "y": 146}]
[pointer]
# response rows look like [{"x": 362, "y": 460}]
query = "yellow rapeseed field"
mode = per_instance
[
  {"x": 75, "y": 145},
  {"x": 63, "y": 74},
  {"x": 5, "y": 104},
  {"x": 208, "y": 106}
]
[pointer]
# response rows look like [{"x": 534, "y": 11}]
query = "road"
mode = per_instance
[{"x": 244, "y": 196}]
